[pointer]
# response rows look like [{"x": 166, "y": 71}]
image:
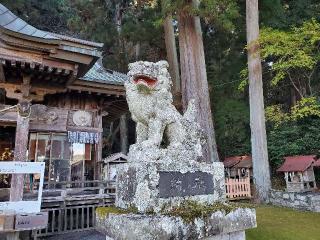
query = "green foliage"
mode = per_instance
[
  {"x": 294, "y": 133},
  {"x": 232, "y": 116},
  {"x": 291, "y": 54},
  {"x": 306, "y": 107},
  {"x": 275, "y": 115},
  {"x": 92, "y": 20},
  {"x": 221, "y": 13}
]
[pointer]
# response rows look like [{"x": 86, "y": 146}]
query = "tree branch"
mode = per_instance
[{"x": 294, "y": 85}]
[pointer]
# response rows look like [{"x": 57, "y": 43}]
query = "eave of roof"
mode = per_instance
[
  {"x": 245, "y": 163},
  {"x": 99, "y": 74},
  {"x": 231, "y": 161},
  {"x": 238, "y": 161},
  {"x": 317, "y": 163},
  {"x": 77, "y": 40},
  {"x": 115, "y": 157},
  {"x": 297, "y": 163}
]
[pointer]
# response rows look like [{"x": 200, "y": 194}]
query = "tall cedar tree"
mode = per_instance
[
  {"x": 261, "y": 172},
  {"x": 194, "y": 76}
]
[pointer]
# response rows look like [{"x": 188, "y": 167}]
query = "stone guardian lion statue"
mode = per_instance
[{"x": 159, "y": 124}]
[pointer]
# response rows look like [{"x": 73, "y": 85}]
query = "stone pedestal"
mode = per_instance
[
  {"x": 218, "y": 226},
  {"x": 151, "y": 186}
]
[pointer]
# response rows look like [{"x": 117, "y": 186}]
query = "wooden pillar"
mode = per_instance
[
  {"x": 124, "y": 134},
  {"x": 98, "y": 148},
  {"x": 20, "y": 155},
  {"x": 20, "y": 149}
]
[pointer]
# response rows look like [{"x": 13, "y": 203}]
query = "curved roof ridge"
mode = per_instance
[
  {"x": 11, "y": 22},
  {"x": 98, "y": 73}
]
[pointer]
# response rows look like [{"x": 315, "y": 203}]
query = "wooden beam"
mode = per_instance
[
  {"x": 98, "y": 85},
  {"x": 25, "y": 88},
  {"x": 25, "y": 91},
  {"x": 109, "y": 92},
  {"x": 73, "y": 76}
]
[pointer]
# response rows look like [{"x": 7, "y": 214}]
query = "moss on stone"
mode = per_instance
[
  {"x": 190, "y": 210},
  {"x": 132, "y": 209},
  {"x": 144, "y": 89},
  {"x": 102, "y": 212}
]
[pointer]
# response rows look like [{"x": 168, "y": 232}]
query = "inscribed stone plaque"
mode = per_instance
[{"x": 177, "y": 184}]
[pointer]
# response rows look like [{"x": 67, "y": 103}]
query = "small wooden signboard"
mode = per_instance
[{"x": 31, "y": 221}]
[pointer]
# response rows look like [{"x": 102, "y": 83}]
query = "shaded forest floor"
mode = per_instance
[{"x": 276, "y": 223}]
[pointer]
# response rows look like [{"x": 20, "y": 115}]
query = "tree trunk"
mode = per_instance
[
  {"x": 124, "y": 134},
  {"x": 261, "y": 171},
  {"x": 138, "y": 51},
  {"x": 172, "y": 57},
  {"x": 194, "y": 78}
]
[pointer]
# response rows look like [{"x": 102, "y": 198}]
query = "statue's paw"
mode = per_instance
[
  {"x": 135, "y": 147},
  {"x": 148, "y": 144}
]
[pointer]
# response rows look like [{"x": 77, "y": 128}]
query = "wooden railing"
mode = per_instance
[
  {"x": 71, "y": 205},
  {"x": 68, "y": 219},
  {"x": 238, "y": 188},
  {"x": 68, "y": 191}
]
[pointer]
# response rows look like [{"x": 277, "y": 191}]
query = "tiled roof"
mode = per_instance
[
  {"x": 101, "y": 75},
  {"x": 231, "y": 161},
  {"x": 116, "y": 157},
  {"x": 297, "y": 163},
  {"x": 244, "y": 163},
  {"x": 13, "y": 23},
  {"x": 238, "y": 161}
]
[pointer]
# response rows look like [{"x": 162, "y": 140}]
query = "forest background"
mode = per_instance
[{"x": 290, "y": 48}]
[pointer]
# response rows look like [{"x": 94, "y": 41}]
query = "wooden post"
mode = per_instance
[
  {"x": 124, "y": 134},
  {"x": 2, "y": 76},
  {"x": 20, "y": 154},
  {"x": 98, "y": 148}
]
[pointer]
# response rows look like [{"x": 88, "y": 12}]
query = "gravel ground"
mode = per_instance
[{"x": 84, "y": 235}]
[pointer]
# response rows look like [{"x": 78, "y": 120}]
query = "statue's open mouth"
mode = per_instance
[{"x": 145, "y": 80}]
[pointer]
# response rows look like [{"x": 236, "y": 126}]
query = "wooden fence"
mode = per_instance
[
  {"x": 71, "y": 205},
  {"x": 238, "y": 188},
  {"x": 68, "y": 219}
]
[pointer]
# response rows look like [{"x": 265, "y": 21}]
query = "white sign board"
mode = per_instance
[{"x": 23, "y": 168}]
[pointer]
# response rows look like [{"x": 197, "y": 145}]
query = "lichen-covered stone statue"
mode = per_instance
[
  {"x": 159, "y": 125},
  {"x": 164, "y": 165}
]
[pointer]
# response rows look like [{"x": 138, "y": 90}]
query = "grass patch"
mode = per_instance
[{"x": 276, "y": 223}]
